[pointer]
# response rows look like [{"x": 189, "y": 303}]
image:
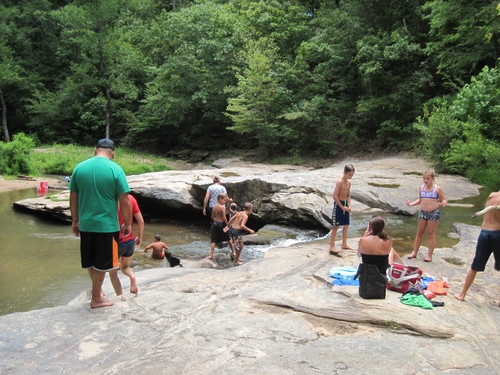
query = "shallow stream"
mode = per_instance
[{"x": 40, "y": 259}]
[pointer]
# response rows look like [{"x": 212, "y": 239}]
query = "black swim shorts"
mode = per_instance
[{"x": 488, "y": 242}]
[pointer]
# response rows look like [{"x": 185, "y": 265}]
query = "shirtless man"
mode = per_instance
[
  {"x": 158, "y": 248},
  {"x": 341, "y": 209},
  {"x": 218, "y": 231},
  {"x": 488, "y": 242},
  {"x": 238, "y": 228}
]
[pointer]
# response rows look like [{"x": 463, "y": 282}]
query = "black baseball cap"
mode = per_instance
[{"x": 105, "y": 143}]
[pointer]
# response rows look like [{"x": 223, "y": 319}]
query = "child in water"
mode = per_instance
[
  {"x": 158, "y": 247},
  {"x": 430, "y": 199}
]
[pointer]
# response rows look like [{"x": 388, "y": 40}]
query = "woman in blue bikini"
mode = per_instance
[{"x": 430, "y": 199}]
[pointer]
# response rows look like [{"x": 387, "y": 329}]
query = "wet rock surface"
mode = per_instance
[{"x": 277, "y": 314}]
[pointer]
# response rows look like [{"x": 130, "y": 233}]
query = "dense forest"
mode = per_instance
[{"x": 297, "y": 77}]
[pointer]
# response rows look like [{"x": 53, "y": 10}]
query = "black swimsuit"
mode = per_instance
[{"x": 381, "y": 261}]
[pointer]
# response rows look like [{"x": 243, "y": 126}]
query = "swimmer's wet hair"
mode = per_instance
[
  {"x": 157, "y": 237},
  {"x": 348, "y": 168}
]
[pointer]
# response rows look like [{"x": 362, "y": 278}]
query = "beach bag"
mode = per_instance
[
  {"x": 400, "y": 278},
  {"x": 371, "y": 282}
]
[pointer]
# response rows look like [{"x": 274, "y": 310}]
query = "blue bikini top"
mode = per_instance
[{"x": 429, "y": 194}]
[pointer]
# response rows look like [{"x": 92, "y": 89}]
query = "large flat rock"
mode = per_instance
[
  {"x": 275, "y": 315},
  {"x": 281, "y": 194}
]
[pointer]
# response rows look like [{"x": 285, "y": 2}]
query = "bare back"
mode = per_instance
[
  {"x": 491, "y": 220},
  {"x": 374, "y": 245},
  {"x": 158, "y": 248},
  {"x": 219, "y": 213},
  {"x": 239, "y": 220}
]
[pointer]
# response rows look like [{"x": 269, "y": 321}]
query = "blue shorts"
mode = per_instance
[
  {"x": 429, "y": 215},
  {"x": 339, "y": 216},
  {"x": 488, "y": 242},
  {"x": 126, "y": 249}
]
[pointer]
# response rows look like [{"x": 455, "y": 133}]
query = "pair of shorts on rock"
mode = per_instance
[
  {"x": 488, "y": 242},
  {"x": 339, "y": 216},
  {"x": 217, "y": 234},
  {"x": 429, "y": 215}
]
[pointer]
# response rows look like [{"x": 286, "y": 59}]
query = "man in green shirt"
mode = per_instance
[{"x": 97, "y": 184}]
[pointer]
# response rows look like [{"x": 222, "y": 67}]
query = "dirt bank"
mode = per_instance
[{"x": 13, "y": 183}]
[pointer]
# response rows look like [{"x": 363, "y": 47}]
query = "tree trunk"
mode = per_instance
[
  {"x": 109, "y": 111},
  {"x": 6, "y": 136}
]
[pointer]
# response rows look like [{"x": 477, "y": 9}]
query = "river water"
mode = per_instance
[{"x": 40, "y": 259}]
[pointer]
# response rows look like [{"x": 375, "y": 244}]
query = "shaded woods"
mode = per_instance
[{"x": 295, "y": 78}]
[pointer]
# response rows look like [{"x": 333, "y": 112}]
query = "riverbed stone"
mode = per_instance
[
  {"x": 281, "y": 194},
  {"x": 275, "y": 315}
]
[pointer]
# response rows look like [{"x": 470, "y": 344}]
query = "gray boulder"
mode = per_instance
[{"x": 281, "y": 194}]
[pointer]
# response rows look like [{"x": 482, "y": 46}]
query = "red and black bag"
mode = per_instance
[{"x": 400, "y": 278}]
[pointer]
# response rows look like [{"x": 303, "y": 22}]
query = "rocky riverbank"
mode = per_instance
[
  {"x": 281, "y": 194},
  {"x": 278, "y": 314}
]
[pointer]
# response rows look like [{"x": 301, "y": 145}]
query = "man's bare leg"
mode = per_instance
[
  {"x": 469, "y": 279},
  {"x": 344, "y": 238},
  {"x": 332, "y": 249},
  {"x": 97, "y": 299}
]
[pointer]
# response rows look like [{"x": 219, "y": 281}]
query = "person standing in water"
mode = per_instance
[
  {"x": 430, "y": 199},
  {"x": 341, "y": 209}
]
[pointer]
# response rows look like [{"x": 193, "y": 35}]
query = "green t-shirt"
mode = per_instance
[{"x": 99, "y": 182}]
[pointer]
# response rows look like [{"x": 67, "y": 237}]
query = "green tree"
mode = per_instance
[
  {"x": 462, "y": 39},
  {"x": 254, "y": 106},
  {"x": 461, "y": 135},
  {"x": 105, "y": 73},
  {"x": 194, "y": 50}
]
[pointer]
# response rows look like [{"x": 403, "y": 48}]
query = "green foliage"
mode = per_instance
[
  {"x": 15, "y": 155},
  {"x": 461, "y": 135},
  {"x": 62, "y": 159},
  {"x": 463, "y": 37},
  {"x": 291, "y": 78}
]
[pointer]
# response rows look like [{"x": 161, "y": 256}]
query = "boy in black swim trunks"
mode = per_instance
[
  {"x": 238, "y": 229},
  {"x": 218, "y": 231},
  {"x": 341, "y": 209}
]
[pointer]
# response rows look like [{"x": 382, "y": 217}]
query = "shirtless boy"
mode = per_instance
[
  {"x": 341, "y": 209},
  {"x": 488, "y": 242},
  {"x": 219, "y": 223},
  {"x": 158, "y": 248},
  {"x": 238, "y": 228}
]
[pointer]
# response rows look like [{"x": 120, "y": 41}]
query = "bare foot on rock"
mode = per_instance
[
  {"x": 459, "y": 297},
  {"x": 102, "y": 302},
  {"x": 133, "y": 285}
]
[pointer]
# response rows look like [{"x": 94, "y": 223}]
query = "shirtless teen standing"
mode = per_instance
[
  {"x": 488, "y": 242},
  {"x": 341, "y": 209}
]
